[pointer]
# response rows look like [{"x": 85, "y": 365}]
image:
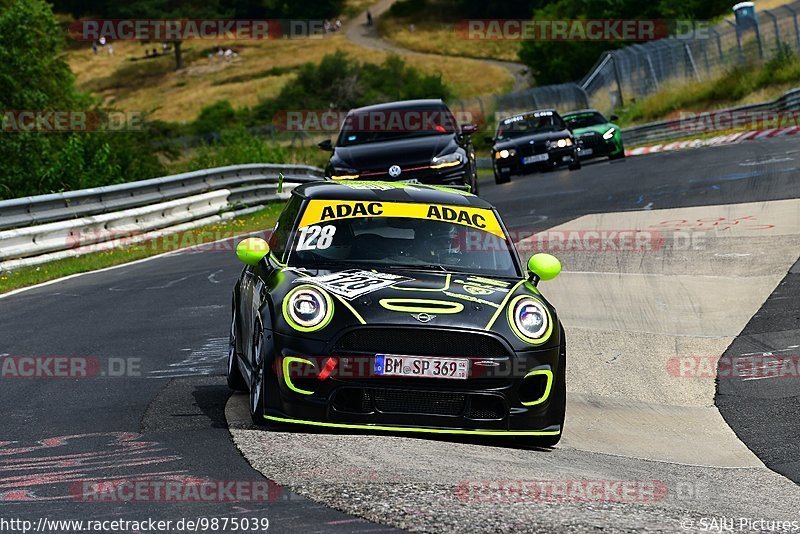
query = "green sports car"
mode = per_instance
[
  {"x": 397, "y": 307},
  {"x": 597, "y": 136}
]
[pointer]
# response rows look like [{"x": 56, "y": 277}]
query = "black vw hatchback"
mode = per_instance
[{"x": 412, "y": 140}]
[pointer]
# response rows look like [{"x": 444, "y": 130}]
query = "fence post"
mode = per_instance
[
  {"x": 719, "y": 44},
  {"x": 617, "y": 75},
  {"x": 739, "y": 41},
  {"x": 691, "y": 61},
  {"x": 775, "y": 25},
  {"x": 791, "y": 10},
  {"x": 652, "y": 70}
]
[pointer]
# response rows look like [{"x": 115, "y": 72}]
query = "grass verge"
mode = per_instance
[{"x": 259, "y": 221}]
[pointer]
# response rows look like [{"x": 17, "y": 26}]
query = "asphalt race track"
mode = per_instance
[{"x": 642, "y": 326}]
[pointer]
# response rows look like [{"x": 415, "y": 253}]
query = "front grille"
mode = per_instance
[
  {"x": 591, "y": 140},
  {"x": 419, "y": 342},
  {"x": 419, "y": 402}
]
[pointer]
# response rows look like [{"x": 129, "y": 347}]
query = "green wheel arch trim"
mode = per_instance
[
  {"x": 287, "y": 361},
  {"x": 352, "y": 426},
  {"x": 418, "y": 306},
  {"x": 547, "y": 373},
  {"x": 300, "y": 328},
  {"x": 513, "y": 324}
]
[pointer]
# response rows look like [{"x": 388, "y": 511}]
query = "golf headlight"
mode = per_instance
[
  {"x": 307, "y": 308},
  {"x": 609, "y": 134},
  {"x": 560, "y": 143},
  {"x": 448, "y": 160},
  {"x": 340, "y": 173},
  {"x": 505, "y": 153},
  {"x": 529, "y": 319}
]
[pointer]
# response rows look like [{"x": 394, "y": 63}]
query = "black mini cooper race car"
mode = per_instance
[{"x": 397, "y": 307}]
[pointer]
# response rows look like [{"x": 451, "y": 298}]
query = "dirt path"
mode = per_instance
[{"x": 358, "y": 32}]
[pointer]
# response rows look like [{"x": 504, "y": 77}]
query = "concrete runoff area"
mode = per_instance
[{"x": 637, "y": 322}]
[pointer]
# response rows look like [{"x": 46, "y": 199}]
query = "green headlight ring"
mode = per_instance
[
  {"x": 513, "y": 324},
  {"x": 300, "y": 328},
  {"x": 289, "y": 360}
]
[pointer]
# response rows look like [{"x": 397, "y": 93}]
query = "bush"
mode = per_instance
[
  {"x": 236, "y": 147},
  {"x": 407, "y": 8}
]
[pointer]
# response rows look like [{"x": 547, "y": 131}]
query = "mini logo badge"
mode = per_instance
[
  {"x": 394, "y": 171},
  {"x": 423, "y": 317}
]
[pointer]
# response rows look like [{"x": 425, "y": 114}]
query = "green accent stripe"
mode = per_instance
[
  {"x": 547, "y": 373},
  {"x": 287, "y": 361},
  {"x": 503, "y": 304},
  {"x": 349, "y": 307},
  {"x": 416, "y": 429}
]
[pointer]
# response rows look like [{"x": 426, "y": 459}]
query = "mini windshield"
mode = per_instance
[
  {"x": 412, "y": 242},
  {"x": 529, "y": 124},
  {"x": 584, "y": 120}
]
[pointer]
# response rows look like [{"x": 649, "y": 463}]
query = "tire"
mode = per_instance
[
  {"x": 576, "y": 164},
  {"x": 236, "y": 381},
  {"x": 474, "y": 184},
  {"x": 256, "y": 403},
  {"x": 558, "y": 407},
  {"x": 500, "y": 180},
  {"x": 621, "y": 155}
]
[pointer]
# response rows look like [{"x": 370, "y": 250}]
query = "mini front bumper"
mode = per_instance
[{"x": 508, "y": 395}]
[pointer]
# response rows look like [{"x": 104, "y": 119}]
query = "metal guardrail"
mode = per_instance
[
  {"x": 42, "y": 228},
  {"x": 680, "y": 128}
]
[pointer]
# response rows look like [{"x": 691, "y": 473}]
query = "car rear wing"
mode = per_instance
[{"x": 295, "y": 179}]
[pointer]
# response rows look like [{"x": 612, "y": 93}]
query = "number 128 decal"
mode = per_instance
[{"x": 316, "y": 237}]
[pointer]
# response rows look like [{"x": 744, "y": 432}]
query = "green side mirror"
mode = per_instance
[
  {"x": 252, "y": 250},
  {"x": 543, "y": 266}
]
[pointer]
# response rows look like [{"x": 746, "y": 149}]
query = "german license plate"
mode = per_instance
[
  {"x": 586, "y": 151},
  {"x": 421, "y": 366},
  {"x": 534, "y": 159}
]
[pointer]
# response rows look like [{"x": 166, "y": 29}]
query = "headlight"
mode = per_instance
[
  {"x": 560, "y": 143},
  {"x": 529, "y": 319},
  {"x": 448, "y": 160},
  {"x": 609, "y": 134},
  {"x": 344, "y": 174},
  {"x": 505, "y": 153},
  {"x": 307, "y": 308}
]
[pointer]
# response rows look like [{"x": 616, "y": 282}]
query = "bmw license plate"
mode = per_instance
[
  {"x": 420, "y": 366},
  {"x": 534, "y": 159},
  {"x": 586, "y": 151}
]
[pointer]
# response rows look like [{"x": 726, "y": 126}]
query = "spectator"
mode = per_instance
[
  {"x": 326, "y": 26},
  {"x": 337, "y": 26},
  {"x": 102, "y": 40},
  {"x": 369, "y": 18},
  {"x": 94, "y": 47},
  {"x": 110, "y": 50}
]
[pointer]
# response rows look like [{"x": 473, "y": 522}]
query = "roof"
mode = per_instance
[
  {"x": 388, "y": 192},
  {"x": 403, "y": 104},
  {"x": 577, "y": 111}
]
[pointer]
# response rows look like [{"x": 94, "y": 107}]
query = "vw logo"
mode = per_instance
[
  {"x": 394, "y": 171},
  {"x": 423, "y": 317}
]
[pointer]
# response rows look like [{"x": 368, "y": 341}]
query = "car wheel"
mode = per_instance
[
  {"x": 235, "y": 379},
  {"x": 558, "y": 406},
  {"x": 257, "y": 379},
  {"x": 576, "y": 163},
  {"x": 474, "y": 184},
  {"x": 499, "y": 180},
  {"x": 621, "y": 155}
]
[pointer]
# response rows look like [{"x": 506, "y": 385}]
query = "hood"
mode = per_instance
[
  {"x": 533, "y": 138},
  {"x": 403, "y": 152},
  {"x": 408, "y": 298},
  {"x": 597, "y": 128}
]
